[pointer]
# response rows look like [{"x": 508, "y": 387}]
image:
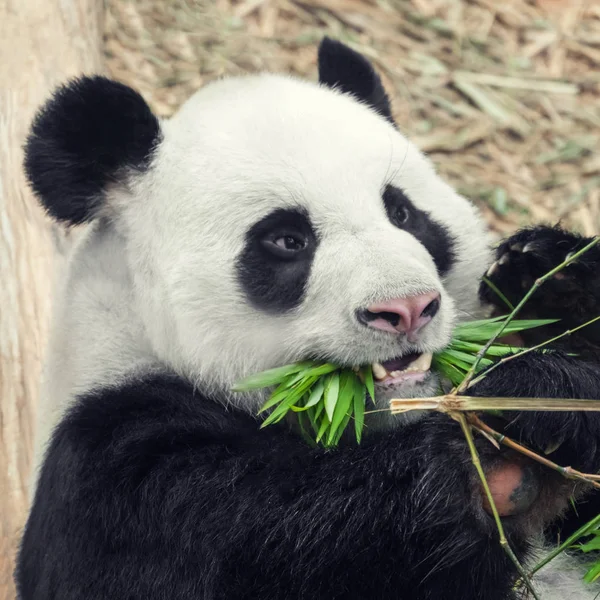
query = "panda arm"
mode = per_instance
[{"x": 151, "y": 491}]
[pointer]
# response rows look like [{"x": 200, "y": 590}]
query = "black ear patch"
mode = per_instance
[
  {"x": 342, "y": 68},
  {"x": 82, "y": 139}
]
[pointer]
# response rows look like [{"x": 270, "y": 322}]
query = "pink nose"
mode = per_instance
[{"x": 402, "y": 315}]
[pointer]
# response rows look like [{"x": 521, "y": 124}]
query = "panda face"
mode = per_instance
[
  {"x": 276, "y": 213},
  {"x": 275, "y": 220}
]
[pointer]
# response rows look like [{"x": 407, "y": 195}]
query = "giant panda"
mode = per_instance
[{"x": 271, "y": 220}]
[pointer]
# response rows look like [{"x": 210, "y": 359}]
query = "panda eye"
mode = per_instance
[
  {"x": 286, "y": 245},
  {"x": 401, "y": 214},
  {"x": 289, "y": 242}
]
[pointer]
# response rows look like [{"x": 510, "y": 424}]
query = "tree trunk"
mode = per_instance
[{"x": 42, "y": 43}]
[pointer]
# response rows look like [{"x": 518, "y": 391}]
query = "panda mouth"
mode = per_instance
[{"x": 410, "y": 367}]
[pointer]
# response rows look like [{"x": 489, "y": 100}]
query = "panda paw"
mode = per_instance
[{"x": 571, "y": 295}]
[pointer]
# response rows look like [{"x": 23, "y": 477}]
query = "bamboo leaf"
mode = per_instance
[
  {"x": 332, "y": 389},
  {"x": 343, "y": 403},
  {"x": 322, "y": 428},
  {"x": 340, "y": 431},
  {"x": 316, "y": 393},
  {"x": 359, "y": 408},
  {"x": 593, "y": 574},
  {"x": 369, "y": 383},
  {"x": 270, "y": 377},
  {"x": 591, "y": 546}
]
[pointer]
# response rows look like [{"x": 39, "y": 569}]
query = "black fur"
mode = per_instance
[
  {"x": 81, "y": 141},
  {"x": 153, "y": 492},
  {"x": 406, "y": 216},
  {"x": 573, "y": 296},
  {"x": 150, "y": 491},
  {"x": 342, "y": 68},
  {"x": 270, "y": 281}
]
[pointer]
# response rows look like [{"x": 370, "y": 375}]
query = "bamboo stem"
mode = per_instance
[
  {"x": 567, "y": 472},
  {"x": 461, "y": 418},
  {"x": 452, "y": 403},
  {"x": 582, "y": 531}
]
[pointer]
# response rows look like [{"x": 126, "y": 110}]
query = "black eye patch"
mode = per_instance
[
  {"x": 274, "y": 266},
  {"x": 406, "y": 216}
]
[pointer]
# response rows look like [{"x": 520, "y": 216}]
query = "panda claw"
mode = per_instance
[
  {"x": 552, "y": 447},
  {"x": 518, "y": 247},
  {"x": 504, "y": 259},
  {"x": 528, "y": 248},
  {"x": 492, "y": 269}
]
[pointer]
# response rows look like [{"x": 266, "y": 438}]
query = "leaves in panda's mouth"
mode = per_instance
[{"x": 325, "y": 397}]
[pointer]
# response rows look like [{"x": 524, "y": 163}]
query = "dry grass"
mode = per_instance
[{"x": 505, "y": 96}]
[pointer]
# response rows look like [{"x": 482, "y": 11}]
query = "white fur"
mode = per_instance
[
  {"x": 155, "y": 285},
  {"x": 561, "y": 579}
]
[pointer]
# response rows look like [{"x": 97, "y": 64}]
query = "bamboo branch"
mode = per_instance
[
  {"x": 451, "y": 403},
  {"x": 477, "y": 463},
  {"x": 568, "y": 472},
  {"x": 582, "y": 531}
]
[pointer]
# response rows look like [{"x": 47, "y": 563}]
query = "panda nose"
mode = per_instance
[{"x": 402, "y": 315}]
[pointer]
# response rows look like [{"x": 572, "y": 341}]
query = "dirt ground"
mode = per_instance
[{"x": 504, "y": 96}]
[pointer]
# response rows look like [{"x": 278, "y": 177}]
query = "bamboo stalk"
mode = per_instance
[
  {"x": 585, "y": 530},
  {"x": 452, "y": 403},
  {"x": 568, "y": 472},
  {"x": 477, "y": 463}
]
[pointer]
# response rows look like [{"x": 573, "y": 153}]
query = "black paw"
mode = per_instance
[
  {"x": 571, "y": 295},
  {"x": 526, "y": 492}
]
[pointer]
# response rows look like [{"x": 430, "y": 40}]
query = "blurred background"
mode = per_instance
[{"x": 503, "y": 95}]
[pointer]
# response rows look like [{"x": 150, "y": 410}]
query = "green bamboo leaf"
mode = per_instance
[
  {"x": 359, "y": 408},
  {"x": 314, "y": 413},
  {"x": 323, "y": 369},
  {"x": 340, "y": 431},
  {"x": 270, "y": 377},
  {"x": 496, "y": 350},
  {"x": 323, "y": 426},
  {"x": 448, "y": 370},
  {"x": 316, "y": 393},
  {"x": 593, "y": 574},
  {"x": 483, "y": 330},
  {"x": 343, "y": 403},
  {"x": 291, "y": 396},
  {"x": 276, "y": 397},
  {"x": 332, "y": 389},
  {"x": 278, "y": 414},
  {"x": 591, "y": 546},
  {"x": 369, "y": 383}
]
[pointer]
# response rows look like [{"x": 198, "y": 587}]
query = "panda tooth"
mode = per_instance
[
  {"x": 379, "y": 371},
  {"x": 396, "y": 373},
  {"x": 423, "y": 363}
]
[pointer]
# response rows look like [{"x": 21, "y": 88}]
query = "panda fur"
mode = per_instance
[{"x": 152, "y": 479}]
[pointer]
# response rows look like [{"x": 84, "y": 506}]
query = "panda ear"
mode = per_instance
[
  {"x": 342, "y": 68},
  {"x": 83, "y": 139}
]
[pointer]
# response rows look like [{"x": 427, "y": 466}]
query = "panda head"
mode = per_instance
[{"x": 270, "y": 220}]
